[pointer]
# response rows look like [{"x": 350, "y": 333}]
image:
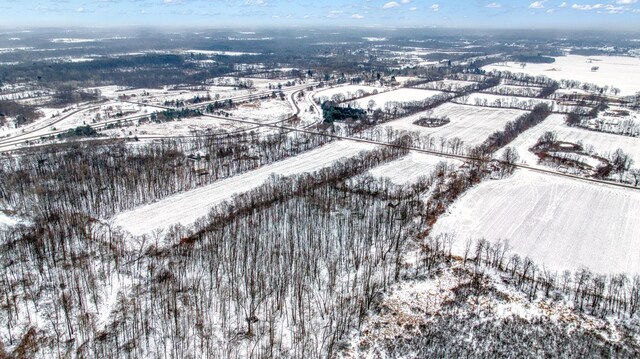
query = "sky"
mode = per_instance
[{"x": 520, "y": 14}]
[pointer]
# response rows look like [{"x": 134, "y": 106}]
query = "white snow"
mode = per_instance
[
  {"x": 618, "y": 71},
  {"x": 486, "y": 99},
  {"x": 595, "y": 142},
  {"x": 560, "y": 223},
  {"x": 72, "y": 40},
  {"x": 271, "y": 110},
  {"x": 471, "y": 124},
  {"x": 408, "y": 169},
  {"x": 400, "y": 95},
  {"x": 118, "y": 285},
  {"x": 349, "y": 91},
  {"x": 375, "y": 39},
  {"x": 217, "y": 52},
  {"x": 182, "y": 127},
  {"x": 185, "y": 208},
  {"x": 449, "y": 85},
  {"x": 7, "y": 221},
  {"x": 516, "y": 90}
]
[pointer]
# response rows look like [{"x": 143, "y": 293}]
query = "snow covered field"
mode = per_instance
[
  {"x": 43, "y": 126},
  {"x": 159, "y": 96},
  {"x": 515, "y": 90},
  {"x": 618, "y": 71},
  {"x": 485, "y": 99},
  {"x": 185, "y": 208},
  {"x": 264, "y": 111},
  {"x": 400, "y": 95},
  {"x": 618, "y": 119},
  {"x": 447, "y": 85},
  {"x": 349, "y": 91},
  {"x": 561, "y": 223},
  {"x": 7, "y": 221},
  {"x": 408, "y": 169},
  {"x": 218, "y": 53},
  {"x": 601, "y": 143},
  {"x": 183, "y": 127},
  {"x": 471, "y": 124},
  {"x": 256, "y": 82}
]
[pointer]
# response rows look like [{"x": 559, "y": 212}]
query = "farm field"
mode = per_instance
[
  {"x": 408, "y": 169},
  {"x": 558, "y": 222},
  {"x": 446, "y": 85},
  {"x": 185, "y": 208},
  {"x": 469, "y": 123},
  {"x": 618, "y": 120},
  {"x": 400, "y": 95},
  {"x": 159, "y": 96},
  {"x": 263, "y": 111},
  {"x": 349, "y": 91},
  {"x": 527, "y": 91},
  {"x": 601, "y": 143},
  {"x": 258, "y": 83},
  {"x": 183, "y": 127},
  {"x": 618, "y": 71},
  {"x": 486, "y": 99}
]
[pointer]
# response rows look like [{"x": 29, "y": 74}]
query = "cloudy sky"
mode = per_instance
[{"x": 584, "y": 14}]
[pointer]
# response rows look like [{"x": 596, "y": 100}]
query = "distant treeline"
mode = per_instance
[
  {"x": 149, "y": 70},
  {"x": 534, "y": 59},
  {"x": 23, "y": 114}
]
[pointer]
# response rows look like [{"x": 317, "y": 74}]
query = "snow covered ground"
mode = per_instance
[
  {"x": 515, "y": 90},
  {"x": 400, "y": 95},
  {"x": 256, "y": 82},
  {"x": 561, "y": 223},
  {"x": 218, "y": 53},
  {"x": 349, "y": 91},
  {"x": 264, "y": 111},
  {"x": 185, "y": 208},
  {"x": 183, "y": 127},
  {"x": 408, "y": 169},
  {"x": 447, "y": 85},
  {"x": 617, "y": 119},
  {"x": 618, "y": 71},
  {"x": 7, "y": 221},
  {"x": 159, "y": 96},
  {"x": 600, "y": 143},
  {"x": 486, "y": 99},
  {"x": 470, "y": 123},
  {"x": 44, "y": 124}
]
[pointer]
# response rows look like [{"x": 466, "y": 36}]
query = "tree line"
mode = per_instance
[{"x": 103, "y": 180}]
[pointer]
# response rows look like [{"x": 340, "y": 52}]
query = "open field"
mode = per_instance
[
  {"x": 446, "y": 85},
  {"x": 486, "y": 99},
  {"x": 527, "y": 91},
  {"x": 618, "y": 71},
  {"x": 560, "y": 223},
  {"x": 182, "y": 127},
  {"x": 185, "y": 208},
  {"x": 618, "y": 120},
  {"x": 400, "y": 95},
  {"x": 349, "y": 91},
  {"x": 408, "y": 169},
  {"x": 267, "y": 110},
  {"x": 600, "y": 143},
  {"x": 471, "y": 124},
  {"x": 159, "y": 96}
]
